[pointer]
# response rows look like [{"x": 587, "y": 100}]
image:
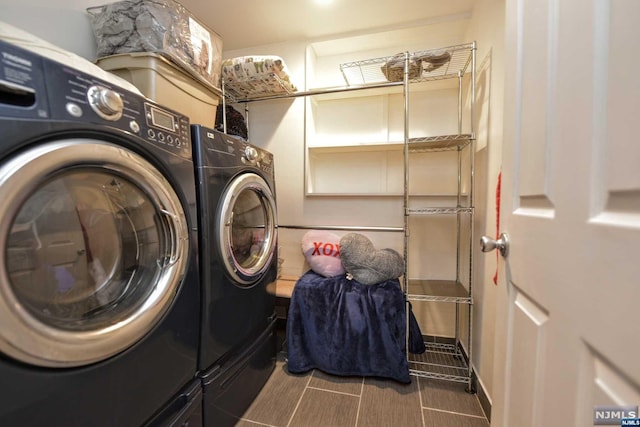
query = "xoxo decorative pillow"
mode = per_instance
[{"x": 321, "y": 249}]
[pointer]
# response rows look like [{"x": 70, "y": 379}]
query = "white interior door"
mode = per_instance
[{"x": 568, "y": 329}]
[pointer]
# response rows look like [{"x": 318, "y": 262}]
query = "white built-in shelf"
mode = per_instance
[{"x": 376, "y": 169}]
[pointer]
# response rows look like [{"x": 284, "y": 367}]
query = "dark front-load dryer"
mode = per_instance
[
  {"x": 99, "y": 287},
  {"x": 238, "y": 252}
]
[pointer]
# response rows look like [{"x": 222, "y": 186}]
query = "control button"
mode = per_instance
[
  {"x": 105, "y": 102},
  {"x": 74, "y": 109},
  {"x": 134, "y": 126},
  {"x": 151, "y": 133},
  {"x": 170, "y": 139},
  {"x": 161, "y": 136}
]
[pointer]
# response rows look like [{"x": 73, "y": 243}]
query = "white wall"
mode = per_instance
[
  {"x": 64, "y": 23},
  {"x": 487, "y": 28}
]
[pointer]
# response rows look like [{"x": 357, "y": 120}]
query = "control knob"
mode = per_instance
[
  {"x": 105, "y": 102},
  {"x": 251, "y": 154}
]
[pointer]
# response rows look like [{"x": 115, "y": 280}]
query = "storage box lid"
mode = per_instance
[{"x": 185, "y": 81}]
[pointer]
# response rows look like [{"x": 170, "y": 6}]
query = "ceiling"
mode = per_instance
[{"x": 248, "y": 23}]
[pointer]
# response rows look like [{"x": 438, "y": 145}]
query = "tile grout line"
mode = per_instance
[
  {"x": 359, "y": 402},
  {"x": 333, "y": 391},
  {"x": 483, "y": 416},
  {"x": 420, "y": 397},
  {"x": 455, "y": 413},
  {"x": 256, "y": 422},
  {"x": 299, "y": 400}
]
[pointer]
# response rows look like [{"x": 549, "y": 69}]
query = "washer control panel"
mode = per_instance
[
  {"x": 32, "y": 86},
  {"x": 166, "y": 127}
]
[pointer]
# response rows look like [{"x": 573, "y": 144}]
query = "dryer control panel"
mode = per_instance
[
  {"x": 256, "y": 157},
  {"x": 35, "y": 87},
  {"x": 223, "y": 149}
]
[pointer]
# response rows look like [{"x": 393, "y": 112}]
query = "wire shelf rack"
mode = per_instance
[
  {"x": 440, "y": 211},
  {"x": 438, "y": 291},
  {"x": 256, "y": 88},
  {"x": 439, "y": 143},
  {"x": 440, "y": 361},
  {"x": 425, "y": 65}
]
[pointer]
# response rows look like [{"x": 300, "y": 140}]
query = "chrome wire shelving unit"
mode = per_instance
[
  {"x": 441, "y": 360},
  {"x": 445, "y": 358}
]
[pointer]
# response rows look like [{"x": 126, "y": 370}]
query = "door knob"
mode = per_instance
[{"x": 487, "y": 244}]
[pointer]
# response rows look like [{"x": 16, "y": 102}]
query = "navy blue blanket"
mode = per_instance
[{"x": 346, "y": 328}]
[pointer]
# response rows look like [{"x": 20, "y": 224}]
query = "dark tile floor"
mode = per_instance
[{"x": 319, "y": 399}]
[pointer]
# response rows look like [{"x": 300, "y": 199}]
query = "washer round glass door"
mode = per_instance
[
  {"x": 247, "y": 229},
  {"x": 95, "y": 246}
]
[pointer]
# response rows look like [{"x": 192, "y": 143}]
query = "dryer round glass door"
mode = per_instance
[
  {"x": 247, "y": 229},
  {"x": 95, "y": 243}
]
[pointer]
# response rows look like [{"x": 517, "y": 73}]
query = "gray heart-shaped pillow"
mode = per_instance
[{"x": 366, "y": 264}]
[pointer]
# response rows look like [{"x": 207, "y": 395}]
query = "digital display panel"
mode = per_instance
[{"x": 162, "y": 119}]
